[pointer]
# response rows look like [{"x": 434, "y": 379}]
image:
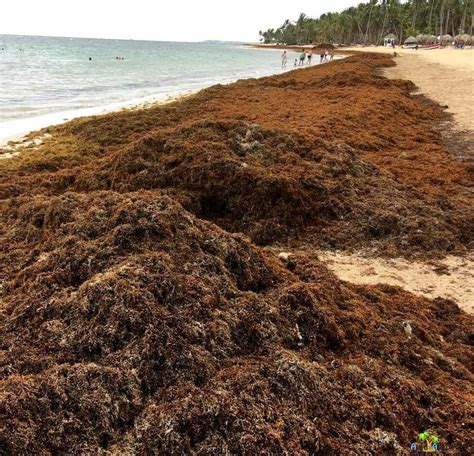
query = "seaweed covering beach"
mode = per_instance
[{"x": 144, "y": 309}]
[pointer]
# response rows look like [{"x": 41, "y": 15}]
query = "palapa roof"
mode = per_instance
[{"x": 411, "y": 39}]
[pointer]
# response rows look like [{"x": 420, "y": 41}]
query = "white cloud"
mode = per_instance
[{"x": 173, "y": 20}]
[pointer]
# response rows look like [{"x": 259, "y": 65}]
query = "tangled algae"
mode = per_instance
[{"x": 140, "y": 315}]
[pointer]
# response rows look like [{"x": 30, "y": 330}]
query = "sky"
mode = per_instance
[{"x": 170, "y": 20}]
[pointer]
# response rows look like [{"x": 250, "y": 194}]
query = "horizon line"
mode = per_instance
[{"x": 126, "y": 39}]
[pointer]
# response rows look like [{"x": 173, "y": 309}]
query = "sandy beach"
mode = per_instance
[
  {"x": 169, "y": 278},
  {"x": 444, "y": 75},
  {"x": 433, "y": 72}
]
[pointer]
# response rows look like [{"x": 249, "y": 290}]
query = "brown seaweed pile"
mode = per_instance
[
  {"x": 139, "y": 315},
  {"x": 131, "y": 326},
  {"x": 330, "y": 171},
  {"x": 274, "y": 187}
]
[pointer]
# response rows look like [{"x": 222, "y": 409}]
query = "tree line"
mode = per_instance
[{"x": 369, "y": 23}]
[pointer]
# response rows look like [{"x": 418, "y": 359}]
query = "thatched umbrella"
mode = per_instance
[
  {"x": 465, "y": 38},
  {"x": 446, "y": 39},
  {"x": 422, "y": 38},
  {"x": 431, "y": 39},
  {"x": 411, "y": 40}
]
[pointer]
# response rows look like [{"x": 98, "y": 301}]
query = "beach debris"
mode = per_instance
[
  {"x": 140, "y": 314},
  {"x": 407, "y": 327}
]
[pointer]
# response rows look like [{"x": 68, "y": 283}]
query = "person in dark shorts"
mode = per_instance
[{"x": 310, "y": 56}]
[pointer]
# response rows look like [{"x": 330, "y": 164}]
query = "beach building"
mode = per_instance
[{"x": 390, "y": 39}]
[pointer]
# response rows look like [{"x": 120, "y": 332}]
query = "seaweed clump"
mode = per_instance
[
  {"x": 273, "y": 186},
  {"x": 131, "y": 326},
  {"x": 140, "y": 313}
]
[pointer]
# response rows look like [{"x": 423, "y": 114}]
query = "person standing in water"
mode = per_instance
[
  {"x": 302, "y": 57},
  {"x": 310, "y": 56},
  {"x": 284, "y": 59}
]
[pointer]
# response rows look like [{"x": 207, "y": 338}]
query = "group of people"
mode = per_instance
[{"x": 307, "y": 55}]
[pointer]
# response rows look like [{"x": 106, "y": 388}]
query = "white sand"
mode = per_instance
[{"x": 452, "y": 277}]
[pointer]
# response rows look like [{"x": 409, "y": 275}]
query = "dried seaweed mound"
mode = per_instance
[
  {"x": 135, "y": 319},
  {"x": 273, "y": 186},
  {"x": 334, "y": 155},
  {"x": 129, "y": 326}
]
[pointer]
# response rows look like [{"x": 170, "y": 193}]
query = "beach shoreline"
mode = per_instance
[
  {"x": 410, "y": 67},
  {"x": 83, "y": 77},
  {"x": 14, "y": 132},
  {"x": 164, "y": 280}
]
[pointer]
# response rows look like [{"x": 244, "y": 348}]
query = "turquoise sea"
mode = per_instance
[{"x": 43, "y": 75}]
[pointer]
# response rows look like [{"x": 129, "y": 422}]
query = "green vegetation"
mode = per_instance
[{"x": 369, "y": 23}]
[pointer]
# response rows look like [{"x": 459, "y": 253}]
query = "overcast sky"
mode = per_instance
[{"x": 171, "y": 20}]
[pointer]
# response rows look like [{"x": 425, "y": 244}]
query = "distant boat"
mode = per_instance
[
  {"x": 420, "y": 46},
  {"x": 429, "y": 46}
]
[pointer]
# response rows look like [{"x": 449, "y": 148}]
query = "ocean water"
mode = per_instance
[{"x": 46, "y": 78}]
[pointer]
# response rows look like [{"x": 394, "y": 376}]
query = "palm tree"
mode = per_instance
[{"x": 369, "y": 22}]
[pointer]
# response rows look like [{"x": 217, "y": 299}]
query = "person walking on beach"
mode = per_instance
[
  {"x": 321, "y": 56},
  {"x": 284, "y": 59},
  {"x": 310, "y": 56},
  {"x": 302, "y": 57}
]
